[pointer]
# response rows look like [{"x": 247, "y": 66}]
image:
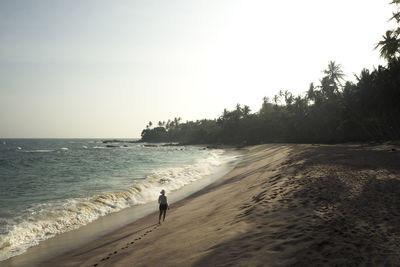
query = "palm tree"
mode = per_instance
[
  {"x": 365, "y": 74},
  {"x": 288, "y": 97},
  {"x": 396, "y": 15},
  {"x": 276, "y": 99},
  {"x": 238, "y": 111},
  {"x": 177, "y": 120},
  {"x": 389, "y": 46},
  {"x": 311, "y": 92},
  {"x": 328, "y": 87},
  {"x": 246, "y": 111},
  {"x": 334, "y": 72}
]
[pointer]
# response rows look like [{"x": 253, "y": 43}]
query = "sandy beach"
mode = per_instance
[{"x": 282, "y": 205}]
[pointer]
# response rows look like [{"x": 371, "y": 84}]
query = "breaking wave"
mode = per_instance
[{"x": 44, "y": 221}]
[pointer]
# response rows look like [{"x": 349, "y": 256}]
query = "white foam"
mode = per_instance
[{"x": 47, "y": 220}]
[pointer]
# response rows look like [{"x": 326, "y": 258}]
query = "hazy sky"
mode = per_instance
[{"x": 105, "y": 68}]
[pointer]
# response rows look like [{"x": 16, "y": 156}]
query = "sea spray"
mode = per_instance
[{"x": 46, "y": 219}]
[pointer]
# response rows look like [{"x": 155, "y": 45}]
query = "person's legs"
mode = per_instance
[
  {"x": 159, "y": 217},
  {"x": 165, "y": 213}
]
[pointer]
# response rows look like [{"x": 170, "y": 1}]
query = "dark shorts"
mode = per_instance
[{"x": 163, "y": 206}]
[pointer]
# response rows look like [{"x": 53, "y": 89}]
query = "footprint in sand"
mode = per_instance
[{"x": 127, "y": 245}]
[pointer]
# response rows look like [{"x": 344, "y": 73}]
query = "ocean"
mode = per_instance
[{"x": 52, "y": 186}]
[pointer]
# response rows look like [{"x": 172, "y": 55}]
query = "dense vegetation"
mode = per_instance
[{"x": 332, "y": 111}]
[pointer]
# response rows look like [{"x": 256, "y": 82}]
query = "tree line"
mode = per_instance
[{"x": 332, "y": 111}]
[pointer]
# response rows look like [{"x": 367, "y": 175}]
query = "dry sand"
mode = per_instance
[{"x": 283, "y": 205}]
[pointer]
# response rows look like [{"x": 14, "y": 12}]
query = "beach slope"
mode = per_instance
[{"x": 283, "y": 205}]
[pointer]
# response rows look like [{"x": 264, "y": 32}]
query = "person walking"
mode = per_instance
[{"x": 162, "y": 200}]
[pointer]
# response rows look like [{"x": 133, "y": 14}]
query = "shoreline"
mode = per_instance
[
  {"x": 122, "y": 240},
  {"x": 64, "y": 242},
  {"x": 282, "y": 205}
]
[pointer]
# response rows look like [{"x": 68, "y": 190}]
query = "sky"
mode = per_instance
[{"x": 104, "y": 69}]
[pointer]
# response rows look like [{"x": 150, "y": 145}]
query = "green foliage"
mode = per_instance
[
  {"x": 389, "y": 46},
  {"x": 368, "y": 110},
  {"x": 329, "y": 112},
  {"x": 157, "y": 134}
]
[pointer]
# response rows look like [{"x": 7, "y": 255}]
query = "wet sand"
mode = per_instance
[{"x": 282, "y": 205}]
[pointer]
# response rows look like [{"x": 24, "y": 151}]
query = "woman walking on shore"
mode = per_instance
[{"x": 162, "y": 200}]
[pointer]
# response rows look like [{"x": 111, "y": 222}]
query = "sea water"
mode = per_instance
[{"x": 52, "y": 186}]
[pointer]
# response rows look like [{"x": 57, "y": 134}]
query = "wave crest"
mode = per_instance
[{"x": 50, "y": 219}]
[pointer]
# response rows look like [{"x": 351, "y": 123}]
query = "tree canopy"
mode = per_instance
[{"x": 335, "y": 110}]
